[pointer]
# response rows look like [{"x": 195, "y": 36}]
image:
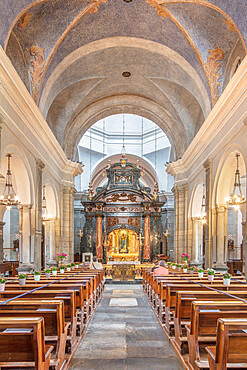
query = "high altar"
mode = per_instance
[{"x": 128, "y": 217}]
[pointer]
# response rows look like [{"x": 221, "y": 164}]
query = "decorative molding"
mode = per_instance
[
  {"x": 40, "y": 164},
  {"x": 94, "y": 6},
  {"x": 123, "y": 197},
  {"x": 24, "y": 20},
  {"x": 161, "y": 10},
  {"x": 38, "y": 64},
  {"x": 211, "y": 68}
]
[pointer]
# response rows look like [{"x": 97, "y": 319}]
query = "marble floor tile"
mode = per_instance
[{"x": 123, "y": 302}]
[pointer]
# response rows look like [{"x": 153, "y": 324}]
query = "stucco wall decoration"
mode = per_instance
[
  {"x": 38, "y": 66},
  {"x": 212, "y": 66}
]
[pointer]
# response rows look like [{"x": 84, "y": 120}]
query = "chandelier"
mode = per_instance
[
  {"x": 80, "y": 232},
  {"x": 9, "y": 198},
  {"x": 236, "y": 197},
  {"x": 45, "y": 215},
  {"x": 202, "y": 216}
]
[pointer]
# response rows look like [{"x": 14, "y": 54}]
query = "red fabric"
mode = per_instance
[{"x": 161, "y": 271}]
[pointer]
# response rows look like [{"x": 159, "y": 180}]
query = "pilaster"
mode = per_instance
[{"x": 208, "y": 165}]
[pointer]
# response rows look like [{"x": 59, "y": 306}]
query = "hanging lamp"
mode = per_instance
[
  {"x": 9, "y": 197},
  {"x": 236, "y": 197},
  {"x": 202, "y": 216}
]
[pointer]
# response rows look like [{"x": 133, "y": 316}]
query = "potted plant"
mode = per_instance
[
  {"x": 69, "y": 267},
  {"x": 54, "y": 271},
  {"x": 169, "y": 264},
  {"x": 61, "y": 257},
  {"x": 37, "y": 276},
  {"x": 77, "y": 264},
  {"x": 2, "y": 284},
  {"x": 200, "y": 272},
  {"x": 191, "y": 270},
  {"x": 72, "y": 266},
  {"x": 211, "y": 274},
  {"x": 62, "y": 269},
  {"x": 185, "y": 257},
  {"x": 178, "y": 267},
  {"x": 22, "y": 279},
  {"x": 185, "y": 268},
  {"x": 47, "y": 273},
  {"x": 226, "y": 279},
  {"x": 173, "y": 266}
]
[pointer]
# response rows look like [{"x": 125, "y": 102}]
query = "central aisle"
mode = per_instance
[{"x": 124, "y": 334}]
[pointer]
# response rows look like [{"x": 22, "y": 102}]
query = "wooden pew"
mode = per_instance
[
  {"x": 231, "y": 345},
  {"x": 184, "y": 301},
  {"x": 202, "y": 330},
  {"x": 55, "y": 328},
  {"x": 32, "y": 353}
]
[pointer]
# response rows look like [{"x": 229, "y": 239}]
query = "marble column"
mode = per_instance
[
  {"x": 52, "y": 256},
  {"x": 146, "y": 251},
  {"x": 66, "y": 223},
  {"x": 71, "y": 223},
  {"x": 181, "y": 220},
  {"x": 221, "y": 239},
  {"x": 208, "y": 165},
  {"x": 194, "y": 251},
  {"x": 99, "y": 237},
  {"x": 176, "y": 224},
  {"x": 25, "y": 233},
  {"x": 38, "y": 219},
  {"x": 1, "y": 240}
]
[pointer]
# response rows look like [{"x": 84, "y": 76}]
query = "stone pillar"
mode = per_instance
[
  {"x": 176, "y": 223},
  {"x": 38, "y": 219},
  {"x": 208, "y": 165},
  {"x": 146, "y": 251},
  {"x": 181, "y": 220},
  {"x": 25, "y": 233},
  {"x": 1, "y": 240},
  {"x": 71, "y": 224},
  {"x": 66, "y": 222},
  {"x": 194, "y": 250},
  {"x": 221, "y": 239},
  {"x": 244, "y": 246},
  {"x": 52, "y": 242},
  {"x": 99, "y": 237}
]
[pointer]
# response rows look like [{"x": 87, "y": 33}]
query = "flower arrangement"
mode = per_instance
[
  {"x": 226, "y": 276},
  {"x": 22, "y": 279},
  {"x": 54, "y": 269},
  {"x": 211, "y": 272},
  {"x": 185, "y": 256},
  {"x": 61, "y": 256},
  {"x": 200, "y": 270},
  {"x": 69, "y": 267},
  {"x": 226, "y": 279},
  {"x": 47, "y": 273},
  {"x": 62, "y": 268},
  {"x": 22, "y": 276}
]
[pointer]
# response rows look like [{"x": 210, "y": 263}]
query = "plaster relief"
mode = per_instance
[{"x": 211, "y": 68}]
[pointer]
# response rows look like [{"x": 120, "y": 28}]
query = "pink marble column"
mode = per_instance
[
  {"x": 146, "y": 251},
  {"x": 99, "y": 237}
]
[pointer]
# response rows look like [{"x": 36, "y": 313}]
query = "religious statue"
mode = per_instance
[{"x": 123, "y": 246}]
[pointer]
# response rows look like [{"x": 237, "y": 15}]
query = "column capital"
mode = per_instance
[
  {"x": 220, "y": 208},
  {"x": 208, "y": 164},
  {"x": 2, "y": 223},
  {"x": 39, "y": 164}
]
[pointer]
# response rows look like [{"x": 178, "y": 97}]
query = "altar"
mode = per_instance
[
  {"x": 122, "y": 245},
  {"x": 124, "y": 270}
]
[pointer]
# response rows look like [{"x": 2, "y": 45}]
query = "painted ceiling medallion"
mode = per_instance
[{"x": 126, "y": 74}]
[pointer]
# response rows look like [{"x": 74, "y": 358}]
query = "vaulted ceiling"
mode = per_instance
[{"x": 71, "y": 54}]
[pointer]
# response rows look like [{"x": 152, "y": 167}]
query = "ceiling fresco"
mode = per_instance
[{"x": 71, "y": 54}]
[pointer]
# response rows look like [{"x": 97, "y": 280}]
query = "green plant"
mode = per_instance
[
  {"x": 54, "y": 269},
  {"x": 179, "y": 265},
  {"x": 200, "y": 270},
  {"x": 3, "y": 281},
  {"x": 22, "y": 276},
  {"x": 169, "y": 263},
  {"x": 47, "y": 271},
  {"x": 211, "y": 272},
  {"x": 173, "y": 264},
  {"x": 191, "y": 268},
  {"x": 77, "y": 263},
  {"x": 72, "y": 264},
  {"x": 226, "y": 276},
  {"x": 69, "y": 265},
  {"x": 37, "y": 273},
  {"x": 62, "y": 268}
]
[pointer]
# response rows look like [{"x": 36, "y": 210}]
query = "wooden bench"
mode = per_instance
[
  {"x": 55, "y": 328},
  {"x": 230, "y": 351},
  {"x": 182, "y": 316},
  {"x": 22, "y": 343},
  {"x": 202, "y": 330}
]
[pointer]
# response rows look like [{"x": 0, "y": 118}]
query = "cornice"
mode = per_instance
[{"x": 25, "y": 108}]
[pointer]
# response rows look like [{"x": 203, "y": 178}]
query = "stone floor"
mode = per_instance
[{"x": 124, "y": 334}]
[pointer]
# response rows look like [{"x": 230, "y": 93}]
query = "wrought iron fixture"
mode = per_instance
[
  {"x": 236, "y": 197},
  {"x": 202, "y": 216},
  {"x": 45, "y": 216},
  {"x": 9, "y": 197},
  {"x": 80, "y": 232}
]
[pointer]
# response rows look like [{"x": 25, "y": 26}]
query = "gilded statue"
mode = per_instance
[{"x": 123, "y": 247}]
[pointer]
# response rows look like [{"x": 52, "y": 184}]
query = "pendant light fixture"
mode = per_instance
[
  {"x": 123, "y": 160},
  {"x": 236, "y": 197},
  {"x": 9, "y": 197},
  {"x": 90, "y": 186},
  {"x": 45, "y": 216},
  {"x": 80, "y": 232},
  {"x": 202, "y": 216},
  {"x": 156, "y": 185}
]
